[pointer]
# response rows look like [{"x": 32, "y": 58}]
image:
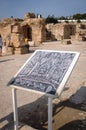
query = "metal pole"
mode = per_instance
[
  {"x": 15, "y": 109},
  {"x": 49, "y": 113}
]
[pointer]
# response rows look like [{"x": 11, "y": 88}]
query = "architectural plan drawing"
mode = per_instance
[{"x": 44, "y": 71}]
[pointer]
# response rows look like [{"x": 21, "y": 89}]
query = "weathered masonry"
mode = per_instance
[
  {"x": 15, "y": 31},
  {"x": 60, "y": 31}
]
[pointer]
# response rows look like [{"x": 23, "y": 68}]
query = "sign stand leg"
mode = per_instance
[
  {"x": 15, "y": 109},
  {"x": 49, "y": 113}
]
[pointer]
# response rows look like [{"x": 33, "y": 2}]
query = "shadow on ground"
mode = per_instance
[
  {"x": 6, "y": 60},
  {"x": 74, "y": 125},
  {"x": 35, "y": 114}
]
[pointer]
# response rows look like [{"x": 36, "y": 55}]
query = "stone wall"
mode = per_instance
[
  {"x": 14, "y": 32},
  {"x": 54, "y": 31},
  {"x": 60, "y": 31},
  {"x": 69, "y": 30},
  {"x": 5, "y": 31},
  {"x": 80, "y": 31},
  {"x": 34, "y": 30}
]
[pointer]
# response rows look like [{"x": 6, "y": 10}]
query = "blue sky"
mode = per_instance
[{"x": 18, "y": 8}]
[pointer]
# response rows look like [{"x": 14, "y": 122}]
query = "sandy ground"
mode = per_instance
[{"x": 69, "y": 111}]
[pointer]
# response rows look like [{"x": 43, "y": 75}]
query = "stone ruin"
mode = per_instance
[
  {"x": 60, "y": 31},
  {"x": 80, "y": 32},
  {"x": 14, "y": 31}
]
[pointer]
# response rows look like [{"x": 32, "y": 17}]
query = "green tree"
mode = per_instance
[
  {"x": 79, "y": 16},
  {"x": 84, "y": 16},
  {"x": 51, "y": 19},
  {"x": 63, "y": 18}
]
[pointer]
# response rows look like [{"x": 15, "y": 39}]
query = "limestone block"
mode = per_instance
[
  {"x": 73, "y": 37},
  {"x": 37, "y": 43},
  {"x": 16, "y": 39},
  {"x": 31, "y": 43},
  {"x": 10, "y": 50},
  {"x": 29, "y": 15},
  {"x": 4, "y": 50},
  {"x": 66, "y": 42},
  {"x": 21, "y": 50},
  {"x": 78, "y": 37},
  {"x": 16, "y": 29}
]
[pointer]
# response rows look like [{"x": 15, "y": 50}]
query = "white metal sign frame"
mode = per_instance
[{"x": 50, "y": 96}]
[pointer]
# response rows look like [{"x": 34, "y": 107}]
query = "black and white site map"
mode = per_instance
[{"x": 44, "y": 71}]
